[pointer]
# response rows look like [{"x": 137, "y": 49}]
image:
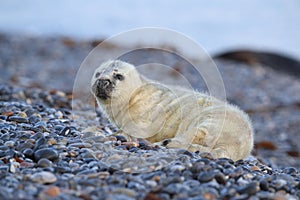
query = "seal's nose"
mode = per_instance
[
  {"x": 102, "y": 88},
  {"x": 103, "y": 83}
]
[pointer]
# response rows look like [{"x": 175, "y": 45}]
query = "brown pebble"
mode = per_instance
[
  {"x": 52, "y": 91},
  {"x": 130, "y": 144},
  {"x": 52, "y": 191},
  {"x": 103, "y": 175},
  {"x": 72, "y": 153},
  {"x": 151, "y": 196},
  {"x": 22, "y": 114},
  {"x": 156, "y": 178},
  {"x": 255, "y": 168},
  {"x": 92, "y": 175},
  {"x": 265, "y": 145},
  {"x": 8, "y": 113},
  {"x": 112, "y": 138},
  {"x": 281, "y": 195},
  {"x": 68, "y": 42},
  {"x": 208, "y": 196},
  {"x": 52, "y": 141},
  {"x": 293, "y": 153},
  {"x": 84, "y": 196},
  {"x": 69, "y": 96},
  {"x": 18, "y": 159}
]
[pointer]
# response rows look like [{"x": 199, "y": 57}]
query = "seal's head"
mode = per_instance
[{"x": 114, "y": 78}]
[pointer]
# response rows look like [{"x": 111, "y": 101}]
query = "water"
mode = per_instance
[{"x": 216, "y": 25}]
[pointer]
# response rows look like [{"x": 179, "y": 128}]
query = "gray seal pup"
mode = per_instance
[{"x": 170, "y": 116}]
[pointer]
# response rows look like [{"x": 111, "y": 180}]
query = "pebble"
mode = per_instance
[
  {"x": 44, "y": 163},
  {"x": 29, "y": 153},
  {"x": 43, "y": 177},
  {"x": 221, "y": 178},
  {"x": 130, "y": 144},
  {"x": 206, "y": 176},
  {"x": 81, "y": 145},
  {"x": 34, "y": 119},
  {"x": 290, "y": 170},
  {"x": 9, "y": 143},
  {"x": 18, "y": 119},
  {"x": 14, "y": 166},
  {"x": 175, "y": 188},
  {"x": 48, "y": 153},
  {"x": 126, "y": 192},
  {"x": 249, "y": 189},
  {"x": 52, "y": 191},
  {"x": 264, "y": 185},
  {"x": 121, "y": 138},
  {"x": 65, "y": 131}
]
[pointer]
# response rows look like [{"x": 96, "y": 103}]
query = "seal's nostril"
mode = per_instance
[{"x": 106, "y": 83}]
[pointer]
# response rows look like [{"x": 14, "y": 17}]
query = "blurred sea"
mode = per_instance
[{"x": 217, "y": 25}]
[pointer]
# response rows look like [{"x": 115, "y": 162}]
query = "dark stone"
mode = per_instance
[
  {"x": 121, "y": 138},
  {"x": 40, "y": 107},
  {"x": 44, "y": 162},
  {"x": 62, "y": 169},
  {"x": 49, "y": 153},
  {"x": 290, "y": 170},
  {"x": 3, "y": 148},
  {"x": 18, "y": 119},
  {"x": 185, "y": 152},
  {"x": 237, "y": 172},
  {"x": 11, "y": 153},
  {"x": 65, "y": 131},
  {"x": 40, "y": 142},
  {"x": 28, "y": 153},
  {"x": 144, "y": 146},
  {"x": 133, "y": 149},
  {"x": 220, "y": 178},
  {"x": 25, "y": 145},
  {"x": 206, "y": 176},
  {"x": 4, "y": 168},
  {"x": 87, "y": 171},
  {"x": 34, "y": 119},
  {"x": 37, "y": 136},
  {"x": 264, "y": 185},
  {"x": 41, "y": 125},
  {"x": 249, "y": 189},
  {"x": 59, "y": 127},
  {"x": 175, "y": 188}
]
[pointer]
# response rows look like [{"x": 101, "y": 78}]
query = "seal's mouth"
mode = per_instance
[{"x": 102, "y": 88}]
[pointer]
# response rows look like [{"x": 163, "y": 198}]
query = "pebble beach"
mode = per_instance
[{"x": 49, "y": 150}]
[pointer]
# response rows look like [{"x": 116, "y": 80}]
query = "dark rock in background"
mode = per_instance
[{"x": 282, "y": 63}]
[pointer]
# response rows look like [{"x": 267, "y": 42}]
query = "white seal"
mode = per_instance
[{"x": 169, "y": 115}]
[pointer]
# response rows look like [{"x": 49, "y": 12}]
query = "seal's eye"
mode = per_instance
[
  {"x": 97, "y": 74},
  {"x": 119, "y": 77}
]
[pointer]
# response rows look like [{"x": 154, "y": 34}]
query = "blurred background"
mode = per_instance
[
  {"x": 216, "y": 25},
  {"x": 255, "y": 44}
]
